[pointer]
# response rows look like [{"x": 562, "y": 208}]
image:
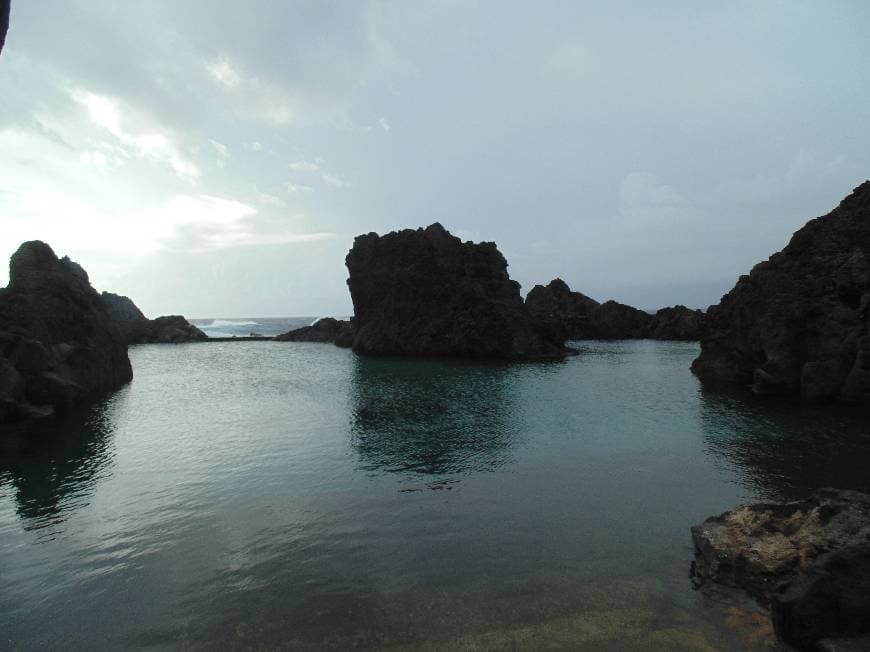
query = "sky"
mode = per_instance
[{"x": 217, "y": 158}]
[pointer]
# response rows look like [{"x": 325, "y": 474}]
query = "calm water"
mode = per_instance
[{"x": 281, "y": 495}]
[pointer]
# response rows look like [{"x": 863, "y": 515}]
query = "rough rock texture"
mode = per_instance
[
  {"x": 426, "y": 293},
  {"x": 135, "y": 328},
  {"x": 323, "y": 330},
  {"x": 345, "y": 335},
  {"x": 4, "y": 21},
  {"x": 831, "y": 599},
  {"x": 798, "y": 323},
  {"x": 57, "y": 344},
  {"x": 678, "y": 323},
  {"x": 562, "y": 313},
  {"x": 809, "y": 561},
  {"x": 616, "y": 321}
]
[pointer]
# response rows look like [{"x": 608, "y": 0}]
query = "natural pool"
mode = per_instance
[{"x": 279, "y": 495}]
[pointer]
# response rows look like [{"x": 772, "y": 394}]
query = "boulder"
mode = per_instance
[
  {"x": 135, "y": 328},
  {"x": 562, "y": 313},
  {"x": 426, "y": 293},
  {"x": 798, "y": 323},
  {"x": 58, "y": 346},
  {"x": 326, "y": 329},
  {"x": 677, "y": 323}
]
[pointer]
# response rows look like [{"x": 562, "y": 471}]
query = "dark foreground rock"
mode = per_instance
[
  {"x": 426, "y": 293},
  {"x": 58, "y": 346},
  {"x": 135, "y": 328},
  {"x": 4, "y": 21},
  {"x": 326, "y": 329},
  {"x": 572, "y": 315},
  {"x": 808, "y": 561},
  {"x": 798, "y": 323}
]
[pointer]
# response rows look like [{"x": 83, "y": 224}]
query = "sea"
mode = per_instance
[{"x": 280, "y": 495}]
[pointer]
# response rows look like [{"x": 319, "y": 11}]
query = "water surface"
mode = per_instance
[{"x": 292, "y": 495}]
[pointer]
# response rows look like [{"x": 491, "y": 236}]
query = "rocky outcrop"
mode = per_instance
[
  {"x": 426, "y": 293},
  {"x": 798, "y": 322},
  {"x": 4, "y": 21},
  {"x": 809, "y": 561},
  {"x": 135, "y": 328},
  {"x": 58, "y": 346},
  {"x": 326, "y": 329},
  {"x": 574, "y": 316},
  {"x": 678, "y": 323}
]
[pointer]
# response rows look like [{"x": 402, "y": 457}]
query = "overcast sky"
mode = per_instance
[{"x": 217, "y": 158}]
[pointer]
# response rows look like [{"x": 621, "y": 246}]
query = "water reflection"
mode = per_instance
[
  {"x": 55, "y": 466},
  {"x": 427, "y": 417},
  {"x": 784, "y": 449}
]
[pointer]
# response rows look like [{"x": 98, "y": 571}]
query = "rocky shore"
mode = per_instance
[
  {"x": 425, "y": 293},
  {"x": 569, "y": 315},
  {"x": 135, "y": 328},
  {"x": 807, "y": 561},
  {"x": 797, "y": 324},
  {"x": 327, "y": 329}
]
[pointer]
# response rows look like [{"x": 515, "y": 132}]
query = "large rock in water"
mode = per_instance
[
  {"x": 563, "y": 313},
  {"x": 327, "y": 329},
  {"x": 798, "y": 323},
  {"x": 809, "y": 561},
  {"x": 678, "y": 323},
  {"x": 57, "y": 344},
  {"x": 426, "y": 293},
  {"x": 135, "y": 328}
]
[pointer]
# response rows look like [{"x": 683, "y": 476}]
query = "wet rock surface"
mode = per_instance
[
  {"x": 808, "y": 561},
  {"x": 327, "y": 329},
  {"x": 425, "y": 293},
  {"x": 797, "y": 324},
  {"x": 58, "y": 346},
  {"x": 135, "y": 328}
]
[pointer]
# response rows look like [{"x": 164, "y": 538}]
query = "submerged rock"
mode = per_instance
[
  {"x": 326, "y": 329},
  {"x": 426, "y": 293},
  {"x": 798, "y": 322},
  {"x": 58, "y": 346},
  {"x": 809, "y": 561},
  {"x": 135, "y": 328}
]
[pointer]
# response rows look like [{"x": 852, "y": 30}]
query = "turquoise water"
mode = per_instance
[{"x": 291, "y": 495}]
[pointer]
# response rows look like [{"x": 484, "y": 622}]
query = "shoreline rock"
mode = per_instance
[
  {"x": 807, "y": 561},
  {"x": 326, "y": 330},
  {"x": 797, "y": 324},
  {"x": 58, "y": 346},
  {"x": 135, "y": 328},
  {"x": 425, "y": 293}
]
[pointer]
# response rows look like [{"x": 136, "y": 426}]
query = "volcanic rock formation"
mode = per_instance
[
  {"x": 678, "y": 323},
  {"x": 327, "y": 329},
  {"x": 135, "y": 328},
  {"x": 798, "y": 323},
  {"x": 57, "y": 343},
  {"x": 426, "y": 293},
  {"x": 808, "y": 561}
]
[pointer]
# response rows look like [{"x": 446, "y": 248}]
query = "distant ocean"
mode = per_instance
[{"x": 247, "y": 326}]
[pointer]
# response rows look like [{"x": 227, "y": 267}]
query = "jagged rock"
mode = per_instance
[
  {"x": 798, "y": 323},
  {"x": 677, "y": 323},
  {"x": 326, "y": 329},
  {"x": 135, "y": 328},
  {"x": 563, "y": 313},
  {"x": 617, "y": 321},
  {"x": 58, "y": 346},
  {"x": 831, "y": 599},
  {"x": 426, "y": 293}
]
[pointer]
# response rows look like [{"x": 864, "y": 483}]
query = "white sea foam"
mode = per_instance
[{"x": 229, "y": 322}]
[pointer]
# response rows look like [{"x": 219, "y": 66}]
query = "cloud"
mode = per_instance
[
  {"x": 644, "y": 201},
  {"x": 384, "y": 124},
  {"x": 304, "y": 166},
  {"x": 271, "y": 200},
  {"x": 134, "y": 132},
  {"x": 255, "y": 146},
  {"x": 294, "y": 188},
  {"x": 335, "y": 181},
  {"x": 224, "y": 73}
]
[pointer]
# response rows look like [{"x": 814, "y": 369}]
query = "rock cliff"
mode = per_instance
[
  {"x": 798, "y": 322},
  {"x": 57, "y": 343},
  {"x": 426, "y": 293}
]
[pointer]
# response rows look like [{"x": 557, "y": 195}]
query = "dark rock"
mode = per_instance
[
  {"x": 756, "y": 547},
  {"x": 798, "y": 323},
  {"x": 135, "y": 328},
  {"x": 58, "y": 346},
  {"x": 562, "y": 313},
  {"x": 677, "y": 323},
  {"x": 617, "y": 321},
  {"x": 323, "y": 330},
  {"x": 426, "y": 293},
  {"x": 5, "y": 8},
  {"x": 345, "y": 335},
  {"x": 830, "y": 599}
]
